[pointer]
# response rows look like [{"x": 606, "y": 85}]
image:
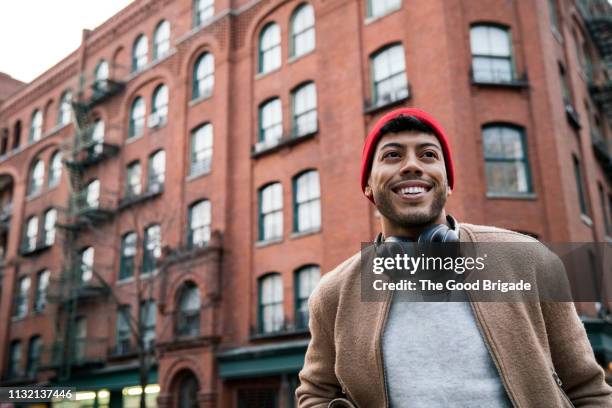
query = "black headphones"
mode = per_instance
[{"x": 440, "y": 233}]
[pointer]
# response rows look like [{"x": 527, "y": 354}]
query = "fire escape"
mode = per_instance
[
  {"x": 88, "y": 207},
  {"x": 597, "y": 15}
]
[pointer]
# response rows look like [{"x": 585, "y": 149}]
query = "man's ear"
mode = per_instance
[
  {"x": 368, "y": 191},
  {"x": 449, "y": 190}
]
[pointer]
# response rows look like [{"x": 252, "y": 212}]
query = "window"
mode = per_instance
[
  {"x": 65, "y": 109},
  {"x": 87, "y": 264},
  {"x": 148, "y": 315},
  {"x": 389, "y": 79},
  {"x": 96, "y": 146},
  {"x": 34, "y": 349},
  {"x": 36, "y": 126},
  {"x": 554, "y": 14},
  {"x": 269, "y": 48},
  {"x": 157, "y": 171},
  {"x": 17, "y": 135},
  {"x": 92, "y": 194},
  {"x": 506, "y": 163},
  {"x": 565, "y": 90},
  {"x": 132, "y": 183},
  {"x": 101, "y": 73},
  {"x": 491, "y": 54},
  {"x": 137, "y": 117},
  {"x": 202, "y": 11},
  {"x": 21, "y": 299},
  {"x": 55, "y": 169},
  {"x": 151, "y": 248},
  {"x": 188, "y": 318},
  {"x": 140, "y": 53},
  {"x": 203, "y": 76},
  {"x": 128, "y": 254},
  {"x": 307, "y": 202},
  {"x": 302, "y": 30},
  {"x": 271, "y": 316},
  {"x": 199, "y": 224},
  {"x": 161, "y": 40},
  {"x": 123, "y": 330},
  {"x": 306, "y": 280},
  {"x": 160, "y": 106},
  {"x": 42, "y": 284},
  {"x": 304, "y": 110},
  {"x": 377, "y": 8},
  {"x": 580, "y": 186},
  {"x": 80, "y": 339},
  {"x": 14, "y": 363},
  {"x": 36, "y": 178},
  {"x": 31, "y": 234},
  {"x": 49, "y": 226},
  {"x": 270, "y": 123},
  {"x": 201, "y": 149},
  {"x": 604, "y": 210},
  {"x": 271, "y": 212}
]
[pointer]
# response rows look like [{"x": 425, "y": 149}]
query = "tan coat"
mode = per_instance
[{"x": 541, "y": 350}]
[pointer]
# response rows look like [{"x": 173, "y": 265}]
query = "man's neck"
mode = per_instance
[{"x": 412, "y": 233}]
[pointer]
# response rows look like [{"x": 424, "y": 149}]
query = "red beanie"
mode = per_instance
[{"x": 374, "y": 136}]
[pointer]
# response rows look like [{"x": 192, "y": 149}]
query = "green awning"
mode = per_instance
[
  {"x": 257, "y": 361},
  {"x": 108, "y": 379}
]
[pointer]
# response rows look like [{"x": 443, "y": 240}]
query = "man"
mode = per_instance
[{"x": 434, "y": 354}]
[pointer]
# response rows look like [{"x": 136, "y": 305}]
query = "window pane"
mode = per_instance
[
  {"x": 139, "y": 56},
  {"x": 160, "y": 101},
  {"x": 162, "y": 39},
  {"x": 102, "y": 71},
  {"x": 303, "y": 30},
  {"x": 137, "y": 117},
  {"x": 269, "y": 48}
]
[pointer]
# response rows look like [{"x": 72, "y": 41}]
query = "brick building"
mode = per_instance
[{"x": 172, "y": 190}]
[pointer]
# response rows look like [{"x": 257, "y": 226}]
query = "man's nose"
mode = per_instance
[{"x": 411, "y": 165}]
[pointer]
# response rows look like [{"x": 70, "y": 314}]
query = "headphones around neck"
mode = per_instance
[{"x": 439, "y": 233}]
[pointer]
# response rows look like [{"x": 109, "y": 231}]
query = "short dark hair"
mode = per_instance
[{"x": 406, "y": 123}]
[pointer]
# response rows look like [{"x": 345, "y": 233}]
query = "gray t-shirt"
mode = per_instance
[{"x": 435, "y": 356}]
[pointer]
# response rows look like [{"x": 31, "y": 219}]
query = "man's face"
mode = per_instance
[{"x": 408, "y": 179}]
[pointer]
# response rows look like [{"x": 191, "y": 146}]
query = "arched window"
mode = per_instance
[
  {"x": 306, "y": 279},
  {"x": 37, "y": 176},
  {"x": 36, "y": 126},
  {"x": 188, "y": 391},
  {"x": 140, "y": 53},
  {"x": 271, "y": 315},
  {"x": 21, "y": 300},
  {"x": 302, "y": 31},
  {"x": 101, "y": 75},
  {"x": 65, "y": 109},
  {"x": 133, "y": 186},
  {"x": 304, "y": 115},
  {"x": 157, "y": 171},
  {"x": 49, "y": 226},
  {"x": 269, "y": 48},
  {"x": 30, "y": 239},
  {"x": 55, "y": 169},
  {"x": 389, "y": 80},
  {"x": 159, "y": 106},
  {"x": 491, "y": 54},
  {"x": 128, "y": 255},
  {"x": 17, "y": 135},
  {"x": 42, "y": 284},
  {"x": 198, "y": 233},
  {"x": 87, "y": 264},
  {"x": 188, "y": 316},
  {"x": 203, "y": 76},
  {"x": 151, "y": 248},
  {"x": 306, "y": 202},
  {"x": 34, "y": 350},
  {"x": 97, "y": 138},
  {"x": 378, "y": 8},
  {"x": 270, "y": 124},
  {"x": 202, "y": 11},
  {"x": 201, "y": 149},
  {"x": 161, "y": 40},
  {"x": 506, "y": 162},
  {"x": 92, "y": 194},
  {"x": 271, "y": 212},
  {"x": 137, "y": 117}
]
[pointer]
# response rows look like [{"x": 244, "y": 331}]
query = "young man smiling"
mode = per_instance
[{"x": 438, "y": 354}]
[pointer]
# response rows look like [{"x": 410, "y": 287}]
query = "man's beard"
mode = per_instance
[{"x": 416, "y": 218}]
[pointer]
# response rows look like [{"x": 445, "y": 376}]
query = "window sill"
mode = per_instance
[
  {"x": 34, "y": 196},
  {"x": 586, "y": 220},
  {"x": 300, "y": 234},
  {"x": 197, "y": 175},
  {"x": 557, "y": 35},
  {"x": 299, "y": 57},
  {"x": 134, "y": 138},
  {"x": 519, "y": 83},
  {"x": 373, "y": 19},
  {"x": 265, "y": 74},
  {"x": 572, "y": 116},
  {"x": 155, "y": 129},
  {"x": 511, "y": 196},
  {"x": 372, "y": 109},
  {"x": 272, "y": 241},
  {"x": 125, "y": 281},
  {"x": 199, "y": 100},
  {"x": 56, "y": 129},
  {"x": 284, "y": 142}
]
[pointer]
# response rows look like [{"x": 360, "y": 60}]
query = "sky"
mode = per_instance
[{"x": 37, "y": 34}]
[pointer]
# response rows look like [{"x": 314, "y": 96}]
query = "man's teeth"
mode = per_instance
[{"x": 412, "y": 190}]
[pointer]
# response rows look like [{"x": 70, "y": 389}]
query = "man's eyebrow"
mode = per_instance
[
  {"x": 392, "y": 144},
  {"x": 428, "y": 144}
]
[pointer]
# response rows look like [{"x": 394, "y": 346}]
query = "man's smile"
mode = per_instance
[{"x": 412, "y": 190}]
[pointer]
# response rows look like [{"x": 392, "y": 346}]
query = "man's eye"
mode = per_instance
[
  {"x": 391, "y": 155},
  {"x": 431, "y": 154}
]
